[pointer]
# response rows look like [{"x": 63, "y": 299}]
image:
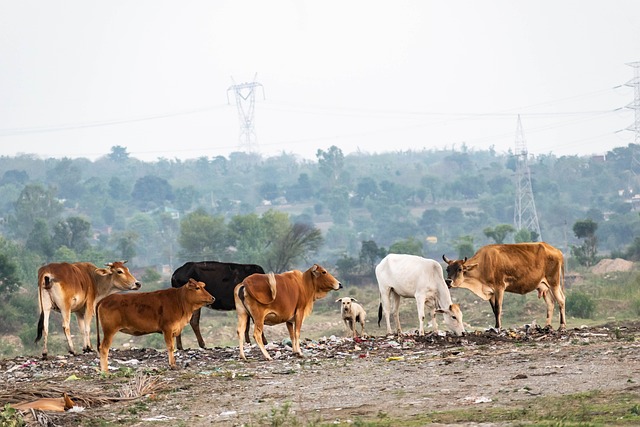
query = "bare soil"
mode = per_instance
[{"x": 339, "y": 381}]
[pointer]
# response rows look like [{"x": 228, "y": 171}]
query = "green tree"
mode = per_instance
[
  {"x": 297, "y": 243},
  {"x": 338, "y": 204},
  {"x": 151, "y": 191},
  {"x": 126, "y": 244},
  {"x": 331, "y": 163},
  {"x": 9, "y": 281},
  {"x": 499, "y": 233},
  {"x": 410, "y": 246},
  {"x": 118, "y": 153},
  {"x": 40, "y": 241},
  {"x": 464, "y": 247},
  {"x": 522, "y": 236},
  {"x": 35, "y": 202},
  {"x": 73, "y": 232},
  {"x": 202, "y": 236},
  {"x": 587, "y": 252},
  {"x": 248, "y": 236},
  {"x": 370, "y": 255}
]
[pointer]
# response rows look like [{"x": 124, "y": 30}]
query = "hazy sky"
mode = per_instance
[{"x": 78, "y": 77}]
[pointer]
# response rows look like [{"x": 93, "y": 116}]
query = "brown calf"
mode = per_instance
[
  {"x": 272, "y": 299},
  {"x": 166, "y": 311}
]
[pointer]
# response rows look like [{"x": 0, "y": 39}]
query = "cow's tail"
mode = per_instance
[
  {"x": 98, "y": 325},
  {"x": 561, "y": 278},
  {"x": 380, "y": 311},
  {"x": 41, "y": 319},
  {"x": 271, "y": 277}
]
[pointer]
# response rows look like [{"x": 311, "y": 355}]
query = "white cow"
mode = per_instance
[{"x": 411, "y": 276}]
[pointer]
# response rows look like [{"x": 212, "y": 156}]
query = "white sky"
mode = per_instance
[{"x": 78, "y": 77}]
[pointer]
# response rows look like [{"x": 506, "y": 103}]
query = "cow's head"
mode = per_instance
[
  {"x": 453, "y": 318},
  {"x": 323, "y": 281},
  {"x": 119, "y": 276},
  {"x": 456, "y": 270},
  {"x": 196, "y": 294}
]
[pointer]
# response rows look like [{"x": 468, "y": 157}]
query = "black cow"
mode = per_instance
[{"x": 220, "y": 279}]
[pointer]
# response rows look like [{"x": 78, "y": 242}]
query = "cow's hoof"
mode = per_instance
[
  {"x": 73, "y": 353},
  {"x": 87, "y": 350},
  {"x": 44, "y": 356}
]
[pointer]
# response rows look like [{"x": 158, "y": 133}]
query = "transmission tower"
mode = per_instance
[
  {"x": 246, "y": 102},
  {"x": 635, "y": 106},
  {"x": 524, "y": 214}
]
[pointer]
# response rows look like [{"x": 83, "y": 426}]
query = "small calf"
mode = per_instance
[
  {"x": 352, "y": 313},
  {"x": 166, "y": 311}
]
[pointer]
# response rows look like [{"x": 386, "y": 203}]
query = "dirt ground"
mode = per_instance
[{"x": 340, "y": 381}]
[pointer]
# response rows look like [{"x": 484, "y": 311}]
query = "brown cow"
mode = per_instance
[
  {"x": 166, "y": 311},
  {"x": 77, "y": 287},
  {"x": 272, "y": 299},
  {"x": 519, "y": 268}
]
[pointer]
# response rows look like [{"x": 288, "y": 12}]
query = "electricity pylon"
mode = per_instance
[
  {"x": 524, "y": 214},
  {"x": 635, "y": 106},
  {"x": 246, "y": 101}
]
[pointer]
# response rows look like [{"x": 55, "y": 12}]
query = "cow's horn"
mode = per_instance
[{"x": 447, "y": 260}]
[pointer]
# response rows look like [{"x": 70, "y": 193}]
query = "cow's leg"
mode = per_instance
[
  {"x": 434, "y": 321},
  {"x": 292, "y": 335},
  {"x": 496, "y": 305},
  {"x": 195, "y": 325},
  {"x": 395, "y": 307},
  {"x": 385, "y": 301},
  {"x": 84, "y": 323},
  {"x": 299, "y": 318},
  {"x": 420, "y": 301},
  {"x": 558, "y": 294},
  {"x": 243, "y": 318},
  {"x": 46, "y": 311},
  {"x": 168, "y": 340},
  {"x": 104, "y": 348},
  {"x": 258, "y": 326},
  {"x": 66, "y": 327}
]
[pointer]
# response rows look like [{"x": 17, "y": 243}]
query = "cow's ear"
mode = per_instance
[
  {"x": 441, "y": 311},
  {"x": 470, "y": 267},
  {"x": 314, "y": 269},
  {"x": 103, "y": 271}
]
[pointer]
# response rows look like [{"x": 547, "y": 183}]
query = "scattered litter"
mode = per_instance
[
  {"x": 482, "y": 399},
  {"x": 395, "y": 358},
  {"x": 227, "y": 414},
  {"x": 159, "y": 418},
  {"x": 72, "y": 377}
]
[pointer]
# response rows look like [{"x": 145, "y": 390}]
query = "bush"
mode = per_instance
[{"x": 580, "y": 305}]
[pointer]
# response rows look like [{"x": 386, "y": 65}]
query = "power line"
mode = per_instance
[{"x": 74, "y": 126}]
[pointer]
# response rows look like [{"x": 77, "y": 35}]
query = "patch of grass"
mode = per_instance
[
  {"x": 582, "y": 409},
  {"x": 10, "y": 417}
]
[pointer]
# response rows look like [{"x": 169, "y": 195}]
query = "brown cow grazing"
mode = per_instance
[
  {"x": 272, "y": 299},
  {"x": 77, "y": 288},
  {"x": 519, "y": 268},
  {"x": 166, "y": 311}
]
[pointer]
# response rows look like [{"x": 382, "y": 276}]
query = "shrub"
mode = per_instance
[{"x": 580, "y": 305}]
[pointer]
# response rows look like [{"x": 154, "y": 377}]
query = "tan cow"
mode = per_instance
[
  {"x": 519, "y": 268},
  {"x": 77, "y": 288},
  {"x": 166, "y": 311},
  {"x": 272, "y": 299}
]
